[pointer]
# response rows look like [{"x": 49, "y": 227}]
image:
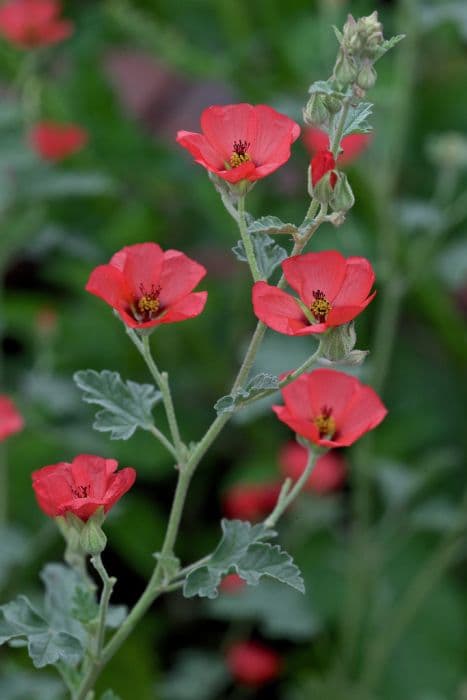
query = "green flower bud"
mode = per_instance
[
  {"x": 93, "y": 539},
  {"x": 333, "y": 104},
  {"x": 367, "y": 76},
  {"x": 338, "y": 342},
  {"x": 345, "y": 70},
  {"x": 343, "y": 198},
  {"x": 315, "y": 112}
]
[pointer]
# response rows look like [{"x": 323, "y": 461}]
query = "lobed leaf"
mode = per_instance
[
  {"x": 126, "y": 405},
  {"x": 256, "y": 386},
  {"x": 268, "y": 253},
  {"x": 243, "y": 550},
  {"x": 356, "y": 122},
  {"x": 271, "y": 225}
]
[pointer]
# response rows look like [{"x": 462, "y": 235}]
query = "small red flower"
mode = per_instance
[
  {"x": 352, "y": 145},
  {"x": 232, "y": 583},
  {"x": 322, "y": 163},
  {"x": 328, "y": 473},
  {"x": 332, "y": 290},
  {"x": 81, "y": 487},
  {"x": 11, "y": 420},
  {"x": 330, "y": 408},
  {"x": 250, "y": 501},
  {"x": 253, "y": 664},
  {"x": 32, "y": 23},
  {"x": 242, "y": 141},
  {"x": 148, "y": 286},
  {"x": 57, "y": 141}
]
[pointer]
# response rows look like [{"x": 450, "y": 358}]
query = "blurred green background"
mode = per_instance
[{"x": 385, "y": 615}]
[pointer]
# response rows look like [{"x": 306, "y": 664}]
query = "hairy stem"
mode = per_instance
[
  {"x": 284, "y": 502},
  {"x": 247, "y": 242}
]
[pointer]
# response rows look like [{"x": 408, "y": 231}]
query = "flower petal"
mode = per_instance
[
  {"x": 277, "y": 309},
  {"x": 201, "y": 150},
  {"x": 224, "y": 125},
  {"x": 302, "y": 427},
  {"x": 344, "y": 314},
  {"x": 108, "y": 283},
  {"x": 119, "y": 484},
  {"x": 364, "y": 413},
  {"x": 179, "y": 276},
  {"x": 142, "y": 266},
  {"x": 357, "y": 283},
  {"x": 275, "y": 134},
  {"x": 322, "y": 271},
  {"x": 333, "y": 389},
  {"x": 188, "y": 307}
]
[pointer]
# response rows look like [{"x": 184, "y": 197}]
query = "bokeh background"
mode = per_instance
[{"x": 385, "y": 615}]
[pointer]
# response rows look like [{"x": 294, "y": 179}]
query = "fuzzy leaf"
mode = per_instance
[
  {"x": 389, "y": 44},
  {"x": 52, "y": 646},
  {"x": 126, "y": 405},
  {"x": 268, "y": 254},
  {"x": 257, "y": 385},
  {"x": 243, "y": 550},
  {"x": 356, "y": 122},
  {"x": 271, "y": 225}
]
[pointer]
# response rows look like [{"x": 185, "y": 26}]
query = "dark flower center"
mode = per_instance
[
  {"x": 325, "y": 423},
  {"x": 239, "y": 154},
  {"x": 321, "y": 307},
  {"x": 148, "y": 304},
  {"x": 81, "y": 491}
]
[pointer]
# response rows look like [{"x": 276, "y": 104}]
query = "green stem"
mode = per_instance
[
  {"x": 108, "y": 583},
  {"x": 162, "y": 439},
  {"x": 337, "y": 138},
  {"x": 287, "y": 498},
  {"x": 162, "y": 381},
  {"x": 247, "y": 242}
]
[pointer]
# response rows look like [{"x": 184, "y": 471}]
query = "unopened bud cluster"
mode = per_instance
[{"x": 361, "y": 43}]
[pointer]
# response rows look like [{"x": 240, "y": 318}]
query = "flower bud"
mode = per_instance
[
  {"x": 370, "y": 30},
  {"x": 315, "y": 112},
  {"x": 345, "y": 69},
  {"x": 333, "y": 103},
  {"x": 338, "y": 342},
  {"x": 343, "y": 198},
  {"x": 92, "y": 538},
  {"x": 367, "y": 76}
]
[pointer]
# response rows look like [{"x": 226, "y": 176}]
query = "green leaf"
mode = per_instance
[
  {"x": 280, "y": 612},
  {"x": 271, "y": 225},
  {"x": 257, "y": 385},
  {"x": 356, "y": 122},
  {"x": 268, "y": 254},
  {"x": 61, "y": 584},
  {"x": 324, "y": 87},
  {"x": 197, "y": 675},
  {"x": 116, "y": 615},
  {"x": 126, "y": 405},
  {"x": 243, "y": 550},
  {"x": 52, "y": 646},
  {"x": 388, "y": 45},
  {"x": 85, "y": 608}
]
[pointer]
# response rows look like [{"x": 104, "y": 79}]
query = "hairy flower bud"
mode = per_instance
[
  {"x": 345, "y": 70},
  {"x": 342, "y": 197},
  {"x": 367, "y": 76},
  {"x": 338, "y": 342},
  {"x": 92, "y": 538},
  {"x": 316, "y": 112}
]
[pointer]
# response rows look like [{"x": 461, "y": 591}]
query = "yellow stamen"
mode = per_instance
[
  {"x": 325, "y": 424},
  {"x": 321, "y": 307},
  {"x": 237, "y": 159},
  {"x": 148, "y": 304}
]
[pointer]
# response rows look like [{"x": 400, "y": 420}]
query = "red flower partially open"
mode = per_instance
[
  {"x": 253, "y": 664},
  {"x": 328, "y": 473},
  {"x": 323, "y": 162},
  {"x": 57, "y": 141},
  {"x": 81, "y": 487},
  {"x": 32, "y": 23},
  {"x": 332, "y": 290},
  {"x": 330, "y": 408},
  {"x": 242, "y": 141},
  {"x": 250, "y": 501},
  {"x": 149, "y": 287},
  {"x": 11, "y": 420},
  {"x": 352, "y": 145}
]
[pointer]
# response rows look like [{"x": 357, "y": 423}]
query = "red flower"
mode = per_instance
[
  {"x": 322, "y": 163},
  {"x": 352, "y": 145},
  {"x": 32, "y": 23},
  {"x": 253, "y": 664},
  {"x": 149, "y": 287},
  {"x": 232, "y": 583},
  {"x": 11, "y": 420},
  {"x": 330, "y": 408},
  {"x": 250, "y": 501},
  {"x": 328, "y": 473},
  {"x": 81, "y": 487},
  {"x": 57, "y": 141},
  {"x": 332, "y": 290},
  {"x": 241, "y": 142}
]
